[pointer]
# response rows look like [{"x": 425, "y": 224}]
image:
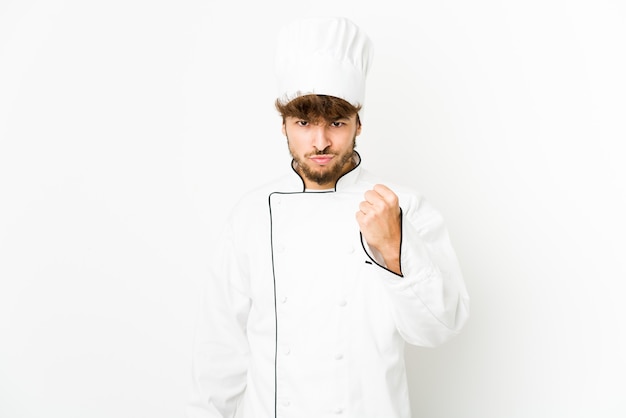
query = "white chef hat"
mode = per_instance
[{"x": 323, "y": 55}]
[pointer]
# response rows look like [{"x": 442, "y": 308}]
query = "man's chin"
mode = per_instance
[{"x": 321, "y": 176}]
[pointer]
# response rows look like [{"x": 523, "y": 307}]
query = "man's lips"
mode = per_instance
[{"x": 321, "y": 159}]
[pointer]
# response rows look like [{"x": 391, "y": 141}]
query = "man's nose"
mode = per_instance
[{"x": 321, "y": 139}]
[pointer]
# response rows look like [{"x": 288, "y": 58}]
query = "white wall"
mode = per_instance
[{"x": 128, "y": 128}]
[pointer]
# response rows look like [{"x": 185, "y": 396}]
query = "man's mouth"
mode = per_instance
[{"x": 321, "y": 159}]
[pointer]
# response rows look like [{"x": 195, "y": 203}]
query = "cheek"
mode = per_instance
[{"x": 345, "y": 142}]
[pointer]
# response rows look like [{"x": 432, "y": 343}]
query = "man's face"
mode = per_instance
[{"x": 323, "y": 151}]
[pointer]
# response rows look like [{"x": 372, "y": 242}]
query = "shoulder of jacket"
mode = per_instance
[
  {"x": 258, "y": 196},
  {"x": 408, "y": 196}
]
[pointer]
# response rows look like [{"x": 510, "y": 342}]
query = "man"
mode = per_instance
[{"x": 327, "y": 272}]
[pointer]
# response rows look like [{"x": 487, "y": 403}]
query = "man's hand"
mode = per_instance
[{"x": 379, "y": 220}]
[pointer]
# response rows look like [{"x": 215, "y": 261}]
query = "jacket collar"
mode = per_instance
[{"x": 349, "y": 178}]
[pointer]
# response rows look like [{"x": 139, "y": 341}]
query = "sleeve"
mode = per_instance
[
  {"x": 220, "y": 348},
  {"x": 429, "y": 302}
]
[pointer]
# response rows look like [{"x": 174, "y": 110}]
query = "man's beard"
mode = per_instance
[{"x": 328, "y": 174}]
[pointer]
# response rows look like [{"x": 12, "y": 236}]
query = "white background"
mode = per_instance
[{"x": 128, "y": 129}]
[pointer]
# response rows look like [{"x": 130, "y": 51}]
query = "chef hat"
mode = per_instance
[{"x": 323, "y": 55}]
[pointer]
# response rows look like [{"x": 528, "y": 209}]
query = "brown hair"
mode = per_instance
[{"x": 317, "y": 108}]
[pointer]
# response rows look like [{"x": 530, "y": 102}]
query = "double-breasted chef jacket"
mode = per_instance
[{"x": 301, "y": 319}]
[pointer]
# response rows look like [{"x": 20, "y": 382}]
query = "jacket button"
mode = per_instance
[
  {"x": 338, "y": 411},
  {"x": 343, "y": 303},
  {"x": 338, "y": 356},
  {"x": 283, "y": 299}
]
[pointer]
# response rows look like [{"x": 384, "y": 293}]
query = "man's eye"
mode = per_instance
[
  {"x": 302, "y": 123},
  {"x": 337, "y": 124}
]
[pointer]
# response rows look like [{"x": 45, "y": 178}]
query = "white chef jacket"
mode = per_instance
[{"x": 302, "y": 320}]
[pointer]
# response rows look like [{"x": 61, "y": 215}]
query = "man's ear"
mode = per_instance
[{"x": 284, "y": 129}]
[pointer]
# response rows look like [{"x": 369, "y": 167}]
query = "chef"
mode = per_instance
[{"x": 325, "y": 274}]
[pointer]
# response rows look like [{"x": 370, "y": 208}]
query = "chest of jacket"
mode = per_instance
[{"x": 308, "y": 267}]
